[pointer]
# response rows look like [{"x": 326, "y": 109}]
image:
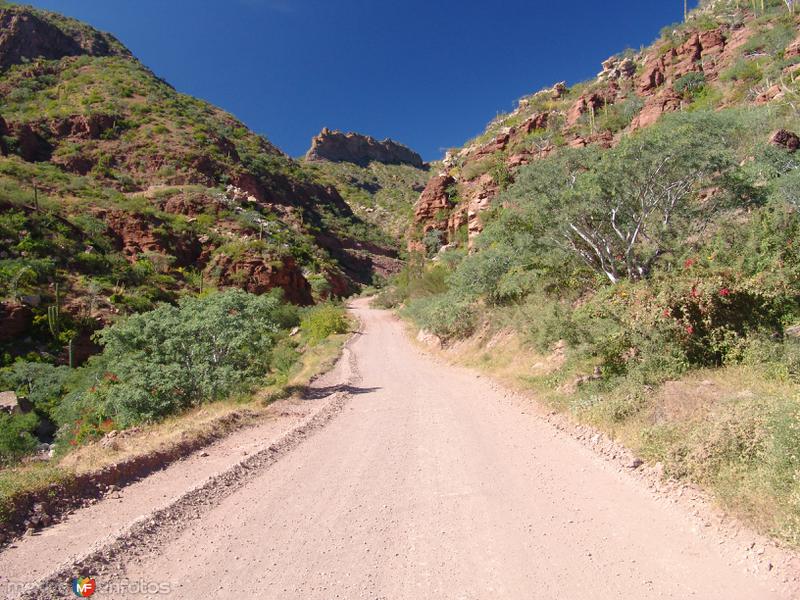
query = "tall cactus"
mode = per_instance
[
  {"x": 70, "y": 353},
  {"x": 54, "y": 316}
]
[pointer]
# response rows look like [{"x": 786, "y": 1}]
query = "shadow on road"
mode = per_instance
[{"x": 323, "y": 392}]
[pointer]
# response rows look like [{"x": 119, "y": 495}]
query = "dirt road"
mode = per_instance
[{"x": 433, "y": 483}]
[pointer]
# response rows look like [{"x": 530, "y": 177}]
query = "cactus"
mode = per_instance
[
  {"x": 53, "y": 320},
  {"x": 54, "y": 316},
  {"x": 70, "y": 353}
]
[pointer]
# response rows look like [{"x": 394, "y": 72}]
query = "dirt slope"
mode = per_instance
[{"x": 434, "y": 483}]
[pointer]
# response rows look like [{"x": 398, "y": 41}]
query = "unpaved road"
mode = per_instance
[{"x": 433, "y": 483}]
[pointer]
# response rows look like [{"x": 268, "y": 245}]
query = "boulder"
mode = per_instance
[
  {"x": 785, "y": 139},
  {"x": 9, "y": 403}
]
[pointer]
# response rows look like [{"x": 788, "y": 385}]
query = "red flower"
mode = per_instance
[
  {"x": 666, "y": 313},
  {"x": 695, "y": 293},
  {"x": 690, "y": 330},
  {"x": 724, "y": 292},
  {"x": 689, "y": 263}
]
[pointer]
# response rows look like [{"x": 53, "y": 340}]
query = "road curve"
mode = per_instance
[{"x": 432, "y": 484}]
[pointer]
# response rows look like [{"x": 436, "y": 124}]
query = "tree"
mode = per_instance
[{"x": 620, "y": 210}]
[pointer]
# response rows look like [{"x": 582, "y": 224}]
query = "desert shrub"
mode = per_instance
[
  {"x": 16, "y": 437},
  {"x": 42, "y": 384},
  {"x": 433, "y": 241},
  {"x": 284, "y": 356},
  {"x": 690, "y": 84},
  {"x": 323, "y": 320},
  {"x": 743, "y": 70},
  {"x": 447, "y": 316},
  {"x": 618, "y": 116},
  {"x": 164, "y": 361}
]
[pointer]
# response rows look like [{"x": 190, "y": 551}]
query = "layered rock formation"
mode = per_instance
[
  {"x": 336, "y": 146},
  {"x": 258, "y": 275},
  {"x": 26, "y": 36}
]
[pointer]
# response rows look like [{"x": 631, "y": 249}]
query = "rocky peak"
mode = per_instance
[
  {"x": 336, "y": 146},
  {"x": 27, "y": 34}
]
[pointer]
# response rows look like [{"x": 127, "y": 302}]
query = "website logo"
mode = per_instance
[{"x": 84, "y": 586}]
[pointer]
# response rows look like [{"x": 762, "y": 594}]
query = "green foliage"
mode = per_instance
[
  {"x": 16, "y": 438},
  {"x": 42, "y": 384},
  {"x": 743, "y": 71},
  {"x": 447, "y": 316},
  {"x": 690, "y": 85},
  {"x": 323, "y": 320},
  {"x": 618, "y": 116},
  {"x": 174, "y": 357}
]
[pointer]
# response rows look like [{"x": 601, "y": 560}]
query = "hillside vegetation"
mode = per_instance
[
  {"x": 637, "y": 235},
  {"x": 154, "y": 252},
  {"x": 381, "y": 195}
]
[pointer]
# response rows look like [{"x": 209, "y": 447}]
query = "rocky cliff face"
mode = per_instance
[
  {"x": 25, "y": 35},
  {"x": 336, "y": 146},
  {"x": 631, "y": 92}
]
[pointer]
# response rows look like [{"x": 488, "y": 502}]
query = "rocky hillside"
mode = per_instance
[
  {"x": 380, "y": 181},
  {"x": 722, "y": 57},
  {"x": 117, "y": 191}
]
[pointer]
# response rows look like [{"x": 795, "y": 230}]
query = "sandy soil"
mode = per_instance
[{"x": 426, "y": 482}]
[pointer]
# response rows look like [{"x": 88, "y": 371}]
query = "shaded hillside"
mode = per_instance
[{"x": 119, "y": 192}]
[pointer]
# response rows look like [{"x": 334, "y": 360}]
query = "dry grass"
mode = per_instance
[{"x": 734, "y": 431}]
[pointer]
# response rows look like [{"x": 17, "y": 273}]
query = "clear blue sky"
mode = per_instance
[{"x": 429, "y": 73}]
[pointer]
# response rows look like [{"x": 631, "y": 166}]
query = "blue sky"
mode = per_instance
[{"x": 429, "y": 73}]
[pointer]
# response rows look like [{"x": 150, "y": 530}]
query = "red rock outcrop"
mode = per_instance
[
  {"x": 584, "y": 104},
  {"x": 336, "y": 146},
  {"x": 793, "y": 50},
  {"x": 706, "y": 52},
  {"x": 258, "y": 275},
  {"x": 189, "y": 205},
  {"x": 15, "y": 320},
  {"x": 656, "y": 106},
  {"x": 137, "y": 234},
  {"x": 26, "y": 36},
  {"x": 31, "y": 146},
  {"x": 434, "y": 203},
  {"x": 82, "y": 127}
]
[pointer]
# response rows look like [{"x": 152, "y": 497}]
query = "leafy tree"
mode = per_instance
[
  {"x": 41, "y": 384},
  {"x": 621, "y": 210},
  {"x": 175, "y": 357}
]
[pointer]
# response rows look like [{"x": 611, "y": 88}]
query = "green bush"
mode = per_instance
[
  {"x": 690, "y": 84},
  {"x": 743, "y": 70},
  {"x": 446, "y": 316},
  {"x": 16, "y": 438},
  {"x": 323, "y": 320},
  {"x": 174, "y": 357}
]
